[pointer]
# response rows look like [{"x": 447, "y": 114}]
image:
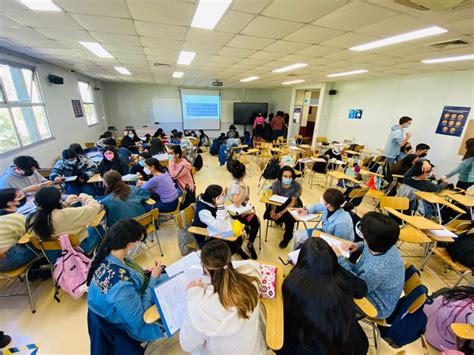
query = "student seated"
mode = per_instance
[
  {"x": 72, "y": 164},
  {"x": 210, "y": 212},
  {"x": 285, "y": 186},
  {"x": 422, "y": 150},
  {"x": 160, "y": 134},
  {"x": 465, "y": 169},
  {"x": 160, "y": 186},
  {"x": 450, "y": 306},
  {"x": 216, "y": 144},
  {"x": 335, "y": 218},
  {"x": 318, "y": 299},
  {"x": 402, "y": 166},
  {"x": 106, "y": 135},
  {"x": 405, "y": 150},
  {"x": 140, "y": 165},
  {"x": 112, "y": 161},
  {"x": 187, "y": 147},
  {"x": 157, "y": 147},
  {"x": 131, "y": 141},
  {"x": 120, "y": 291},
  {"x": 223, "y": 314},
  {"x": 122, "y": 201},
  {"x": 24, "y": 176},
  {"x": 125, "y": 154},
  {"x": 232, "y": 132},
  {"x": 180, "y": 169},
  {"x": 239, "y": 194},
  {"x": 12, "y": 228},
  {"x": 247, "y": 139},
  {"x": 76, "y": 147},
  {"x": 54, "y": 218},
  {"x": 380, "y": 265},
  {"x": 204, "y": 139}
]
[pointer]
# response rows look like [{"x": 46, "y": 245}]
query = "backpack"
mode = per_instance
[
  {"x": 189, "y": 198},
  {"x": 186, "y": 241},
  {"x": 214, "y": 149},
  {"x": 403, "y": 327},
  {"x": 462, "y": 250},
  {"x": 271, "y": 170},
  {"x": 222, "y": 156},
  {"x": 198, "y": 162},
  {"x": 70, "y": 270}
]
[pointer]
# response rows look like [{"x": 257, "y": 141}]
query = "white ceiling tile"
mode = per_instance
[
  {"x": 249, "y": 42},
  {"x": 265, "y": 55},
  {"x": 201, "y": 47},
  {"x": 393, "y": 26},
  {"x": 345, "y": 54},
  {"x": 110, "y": 8},
  {"x": 313, "y": 34},
  {"x": 105, "y": 24},
  {"x": 170, "y": 12},
  {"x": 68, "y": 35},
  {"x": 197, "y": 34},
  {"x": 286, "y": 47},
  {"x": 316, "y": 51},
  {"x": 236, "y": 52},
  {"x": 112, "y": 38},
  {"x": 355, "y": 15},
  {"x": 302, "y": 10},
  {"x": 159, "y": 52},
  {"x": 114, "y": 48},
  {"x": 270, "y": 28},
  {"x": 43, "y": 19},
  {"x": 23, "y": 33},
  {"x": 162, "y": 43},
  {"x": 294, "y": 58},
  {"x": 43, "y": 44},
  {"x": 225, "y": 59},
  {"x": 156, "y": 30},
  {"x": 9, "y": 23},
  {"x": 12, "y": 5},
  {"x": 171, "y": 60},
  {"x": 348, "y": 40},
  {"x": 233, "y": 22},
  {"x": 252, "y": 61}
]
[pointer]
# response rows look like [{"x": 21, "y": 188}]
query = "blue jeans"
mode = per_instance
[
  {"x": 277, "y": 133},
  {"x": 166, "y": 206},
  {"x": 76, "y": 189},
  {"x": 15, "y": 257},
  {"x": 390, "y": 160}
]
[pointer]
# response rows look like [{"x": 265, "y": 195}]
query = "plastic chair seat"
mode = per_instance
[
  {"x": 17, "y": 272},
  {"x": 443, "y": 254},
  {"x": 410, "y": 234}
]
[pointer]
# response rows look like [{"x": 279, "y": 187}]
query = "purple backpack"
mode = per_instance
[{"x": 70, "y": 270}]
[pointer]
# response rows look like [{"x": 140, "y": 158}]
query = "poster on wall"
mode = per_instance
[
  {"x": 297, "y": 114},
  {"x": 355, "y": 113},
  {"x": 452, "y": 120},
  {"x": 77, "y": 108}
]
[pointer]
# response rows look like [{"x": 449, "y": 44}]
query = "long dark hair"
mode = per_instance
[
  {"x": 156, "y": 164},
  {"x": 115, "y": 185},
  {"x": 157, "y": 146},
  {"x": 211, "y": 193},
  {"x": 236, "y": 168},
  {"x": 458, "y": 294},
  {"x": 112, "y": 149},
  {"x": 118, "y": 236},
  {"x": 336, "y": 199},
  {"x": 469, "y": 149},
  {"x": 7, "y": 195},
  {"x": 318, "y": 304},
  {"x": 47, "y": 199}
]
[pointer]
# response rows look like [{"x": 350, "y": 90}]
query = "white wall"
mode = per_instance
[
  {"x": 65, "y": 128},
  {"x": 132, "y": 104},
  {"x": 385, "y": 100}
]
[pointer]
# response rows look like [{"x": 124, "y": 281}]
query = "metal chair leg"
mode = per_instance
[
  {"x": 266, "y": 231},
  {"x": 463, "y": 275},
  {"x": 30, "y": 296},
  {"x": 158, "y": 241},
  {"x": 376, "y": 331}
]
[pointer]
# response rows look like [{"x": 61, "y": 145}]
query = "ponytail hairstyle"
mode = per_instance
[
  {"x": 39, "y": 222},
  {"x": 236, "y": 168},
  {"x": 118, "y": 237},
  {"x": 336, "y": 199},
  {"x": 234, "y": 288},
  {"x": 155, "y": 163},
  {"x": 211, "y": 193},
  {"x": 115, "y": 185},
  {"x": 469, "y": 149}
]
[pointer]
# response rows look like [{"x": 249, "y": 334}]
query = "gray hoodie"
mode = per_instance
[
  {"x": 395, "y": 138},
  {"x": 11, "y": 179}
]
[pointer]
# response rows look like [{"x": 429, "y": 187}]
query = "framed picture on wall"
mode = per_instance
[{"x": 77, "y": 108}]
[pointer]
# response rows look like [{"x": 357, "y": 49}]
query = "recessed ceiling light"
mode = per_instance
[
  {"x": 361, "y": 71},
  {"x": 41, "y": 5},
  {"x": 449, "y": 59},
  {"x": 293, "y": 82},
  {"x": 122, "y": 70},
  {"x": 178, "y": 74},
  {"x": 97, "y": 49},
  {"x": 209, "y": 12},
  {"x": 186, "y": 58},
  {"x": 250, "y": 78},
  {"x": 289, "y": 67},
  {"x": 425, "y": 32}
]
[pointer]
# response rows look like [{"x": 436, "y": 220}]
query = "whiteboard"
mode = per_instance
[{"x": 167, "y": 110}]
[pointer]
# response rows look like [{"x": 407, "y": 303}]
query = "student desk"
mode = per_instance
[
  {"x": 353, "y": 152},
  {"x": 266, "y": 200},
  {"x": 299, "y": 220},
  {"x": 342, "y": 176},
  {"x": 95, "y": 178},
  {"x": 438, "y": 202},
  {"x": 274, "y": 332},
  {"x": 205, "y": 233},
  {"x": 367, "y": 172},
  {"x": 465, "y": 200},
  {"x": 242, "y": 146}
]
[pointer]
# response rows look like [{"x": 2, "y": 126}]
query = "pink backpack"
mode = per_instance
[{"x": 70, "y": 270}]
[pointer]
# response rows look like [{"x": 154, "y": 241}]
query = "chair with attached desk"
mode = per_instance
[
  {"x": 440, "y": 203},
  {"x": 462, "y": 331},
  {"x": 357, "y": 195},
  {"x": 149, "y": 220}
]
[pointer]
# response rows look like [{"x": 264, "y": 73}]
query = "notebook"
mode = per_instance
[
  {"x": 443, "y": 233},
  {"x": 278, "y": 199},
  {"x": 306, "y": 218},
  {"x": 226, "y": 234},
  {"x": 129, "y": 177},
  {"x": 239, "y": 210},
  {"x": 293, "y": 255},
  {"x": 69, "y": 178}
]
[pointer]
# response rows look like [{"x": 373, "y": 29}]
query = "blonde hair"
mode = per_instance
[{"x": 234, "y": 288}]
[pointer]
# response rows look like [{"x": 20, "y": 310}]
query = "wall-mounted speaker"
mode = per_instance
[
  {"x": 332, "y": 92},
  {"x": 54, "y": 79}
]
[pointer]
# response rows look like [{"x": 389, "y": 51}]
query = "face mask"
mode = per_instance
[
  {"x": 286, "y": 181},
  {"x": 322, "y": 202},
  {"x": 72, "y": 162},
  {"x": 422, "y": 155},
  {"x": 132, "y": 251},
  {"x": 131, "y": 135},
  {"x": 358, "y": 231},
  {"x": 147, "y": 171},
  {"x": 170, "y": 156},
  {"x": 21, "y": 202},
  {"x": 109, "y": 156},
  {"x": 28, "y": 172},
  {"x": 141, "y": 162}
]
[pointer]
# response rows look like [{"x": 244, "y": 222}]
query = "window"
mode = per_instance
[
  {"x": 88, "y": 102},
  {"x": 23, "y": 118}
]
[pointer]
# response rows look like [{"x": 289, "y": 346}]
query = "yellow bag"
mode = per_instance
[{"x": 237, "y": 228}]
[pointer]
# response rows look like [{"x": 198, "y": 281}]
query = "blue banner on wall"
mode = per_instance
[
  {"x": 355, "y": 113},
  {"x": 452, "y": 120}
]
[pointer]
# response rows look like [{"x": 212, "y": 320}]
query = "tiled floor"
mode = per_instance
[{"x": 61, "y": 328}]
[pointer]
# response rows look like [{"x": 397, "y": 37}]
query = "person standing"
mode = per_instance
[
  {"x": 395, "y": 140},
  {"x": 277, "y": 124},
  {"x": 258, "y": 124},
  {"x": 465, "y": 169}
]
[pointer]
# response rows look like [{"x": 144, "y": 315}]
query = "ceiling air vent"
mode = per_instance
[
  {"x": 455, "y": 43},
  {"x": 435, "y": 5},
  {"x": 161, "y": 65}
]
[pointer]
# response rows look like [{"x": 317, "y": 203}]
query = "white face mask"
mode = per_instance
[
  {"x": 132, "y": 251},
  {"x": 72, "y": 162},
  {"x": 147, "y": 171},
  {"x": 131, "y": 135},
  {"x": 322, "y": 202}
]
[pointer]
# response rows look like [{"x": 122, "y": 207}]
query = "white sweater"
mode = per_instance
[{"x": 209, "y": 328}]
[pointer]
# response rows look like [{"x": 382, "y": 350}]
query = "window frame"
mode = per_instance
[
  {"x": 79, "y": 81},
  {"x": 10, "y": 105}
]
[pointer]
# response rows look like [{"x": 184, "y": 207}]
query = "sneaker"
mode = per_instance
[
  {"x": 242, "y": 254},
  {"x": 4, "y": 341},
  {"x": 252, "y": 251},
  {"x": 283, "y": 244}
]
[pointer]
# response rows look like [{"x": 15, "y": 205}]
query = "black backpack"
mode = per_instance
[
  {"x": 198, "y": 162},
  {"x": 462, "y": 250},
  {"x": 271, "y": 170}
]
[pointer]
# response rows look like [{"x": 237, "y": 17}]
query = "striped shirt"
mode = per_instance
[{"x": 12, "y": 228}]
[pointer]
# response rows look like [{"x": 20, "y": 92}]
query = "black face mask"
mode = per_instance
[
  {"x": 28, "y": 172},
  {"x": 21, "y": 202},
  {"x": 422, "y": 155}
]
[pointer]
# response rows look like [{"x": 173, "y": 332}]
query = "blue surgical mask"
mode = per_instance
[
  {"x": 170, "y": 156},
  {"x": 286, "y": 181},
  {"x": 72, "y": 162},
  {"x": 141, "y": 162}
]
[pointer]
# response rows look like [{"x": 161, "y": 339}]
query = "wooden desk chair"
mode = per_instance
[
  {"x": 357, "y": 195},
  {"x": 460, "y": 269},
  {"x": 45, "y": 172},
  {"x": 149, "y": 220},
  {"x": 97, "y": 221},
  {"x": 462, "y": 331},
  {"x": 172, "y": 215},
  {"x": 375, "y": 195},
  {"x": 89, "y": 145}
]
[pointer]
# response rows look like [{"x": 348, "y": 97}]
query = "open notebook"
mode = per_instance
[{"x": 293, "y": 255}]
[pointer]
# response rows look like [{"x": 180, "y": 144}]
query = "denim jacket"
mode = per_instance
[
  {"x": 339, "y": 224},
  {"x": 84, "y": 168},
  {"x": 115, "y": 295}
]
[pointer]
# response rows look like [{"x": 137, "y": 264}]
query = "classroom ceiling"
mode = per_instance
[{"x": 252, "y": 38}]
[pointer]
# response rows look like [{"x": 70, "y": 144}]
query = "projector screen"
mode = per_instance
[{"x": 201, "y": 109}]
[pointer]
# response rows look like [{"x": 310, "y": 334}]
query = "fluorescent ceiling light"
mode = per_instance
[
  {"x": 425, "y": 32},
  {"x": 178, "y": 74},
  {"x": 449, "y": 59},
  {"x": 122, "y": 70},
  {"x": 209, "y": 12},
  {"x": 41, "y": 5},
  {"x": 289, "y": 67},
  {"x": 250, "y": 78},
  {"x": 293, "y": 82},
  {"x": 97, "y": 49},
  {"x": 361, "y": 71},
  {"x": 186, "y": 58}
]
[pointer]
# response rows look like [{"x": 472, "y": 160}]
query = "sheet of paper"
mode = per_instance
[
  {"x": 293, "y": 256},
  {"x": 129, "y": 177},
  {"x": 278, "y": 198},
  {"x": 305, "y": 160},
  {"x": 225, "y": 234},
  {"x": 184, "y": 263},
  {"x": 69, "y": 178},
  {"x": 170, "y": 297},
  {"x": 334, "y": 243},
  {"x": 443, "y": 233},
  {"x": 161, "y": 157},
  {"x": 239, "y": 210},
  {"x": 27, "y": 208},
  {"x": 308, "y": 217}
]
